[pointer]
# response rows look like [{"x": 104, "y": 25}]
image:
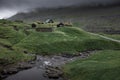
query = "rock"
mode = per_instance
[
  {"x": 3, "y": 76},
  {"x": 23, "y": 66},
  {"x": 68, "y": 55},
  {"x": 53, "y": 72},
  {"x": 48, "y": 63},
  {"x": 13, "y": 70},
  {"x": 4, "y": 62},
  {"x": 53, "y": 76},
  {"x": 32, "y": 62},
  {"x": 9, "y": 71}
]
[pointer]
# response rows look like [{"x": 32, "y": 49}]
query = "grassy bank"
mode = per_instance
[
  {"x": 8, "y": 38},
  {"x": 11, "y": 56},
  {"x": 103, "y": 65}
]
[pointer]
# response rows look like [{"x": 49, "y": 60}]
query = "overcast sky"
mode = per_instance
[{"x": 11, "y": 7}]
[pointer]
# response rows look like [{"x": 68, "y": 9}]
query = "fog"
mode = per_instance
[{"x": 11, "y": 7}]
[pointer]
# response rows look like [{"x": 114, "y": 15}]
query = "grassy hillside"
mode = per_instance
[
  {"x": 10, "y": 56},
  {"x": 8, "y": 38},
  {"x": 65, "y": 40},
  {"x": 103, "y": 65},
  {"x": 18, "y": 38}
]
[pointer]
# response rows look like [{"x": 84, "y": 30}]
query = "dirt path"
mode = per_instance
[
  {"x": 47, "y": 67},
  {"x": 108, "y": 38}
]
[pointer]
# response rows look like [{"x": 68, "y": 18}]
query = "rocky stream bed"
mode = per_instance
[{"x": 43, "y": 68}]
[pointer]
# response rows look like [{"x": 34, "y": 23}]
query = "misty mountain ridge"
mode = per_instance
[{"x": 67, "y": 12}]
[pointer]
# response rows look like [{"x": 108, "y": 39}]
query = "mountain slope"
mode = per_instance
[
  {"x": 94, "y": 19},
  {"x": 68, "y": 13},
  {"x": 65, "y": 40}
]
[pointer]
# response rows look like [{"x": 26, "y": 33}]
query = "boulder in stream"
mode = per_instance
[{"x": 53, "y": 72}]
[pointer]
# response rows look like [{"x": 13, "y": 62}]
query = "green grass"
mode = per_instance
[
  {"x": 64, "y": 40},
  {"x": 11, "y": 35},
  {"x": 8, "y": 38},
  {"x": 103, "y": 65},
  {"x": 114, "y": 36},
  {"x": 12, "y": 56}
]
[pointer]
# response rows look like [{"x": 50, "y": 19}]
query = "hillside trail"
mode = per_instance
[{"x": 105, "y": 37}]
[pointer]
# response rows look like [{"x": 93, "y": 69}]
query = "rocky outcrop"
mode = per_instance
[
  {"x": 13, "y": 70},
  {"x": 53, "y": 72},
  {"x": 23, "y": 66}
]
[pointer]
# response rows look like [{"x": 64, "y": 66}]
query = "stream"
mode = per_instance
[{"x": 46, "y": 68}]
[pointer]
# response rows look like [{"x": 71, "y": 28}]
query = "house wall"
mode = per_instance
[{"x": 44, "y": 29}]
